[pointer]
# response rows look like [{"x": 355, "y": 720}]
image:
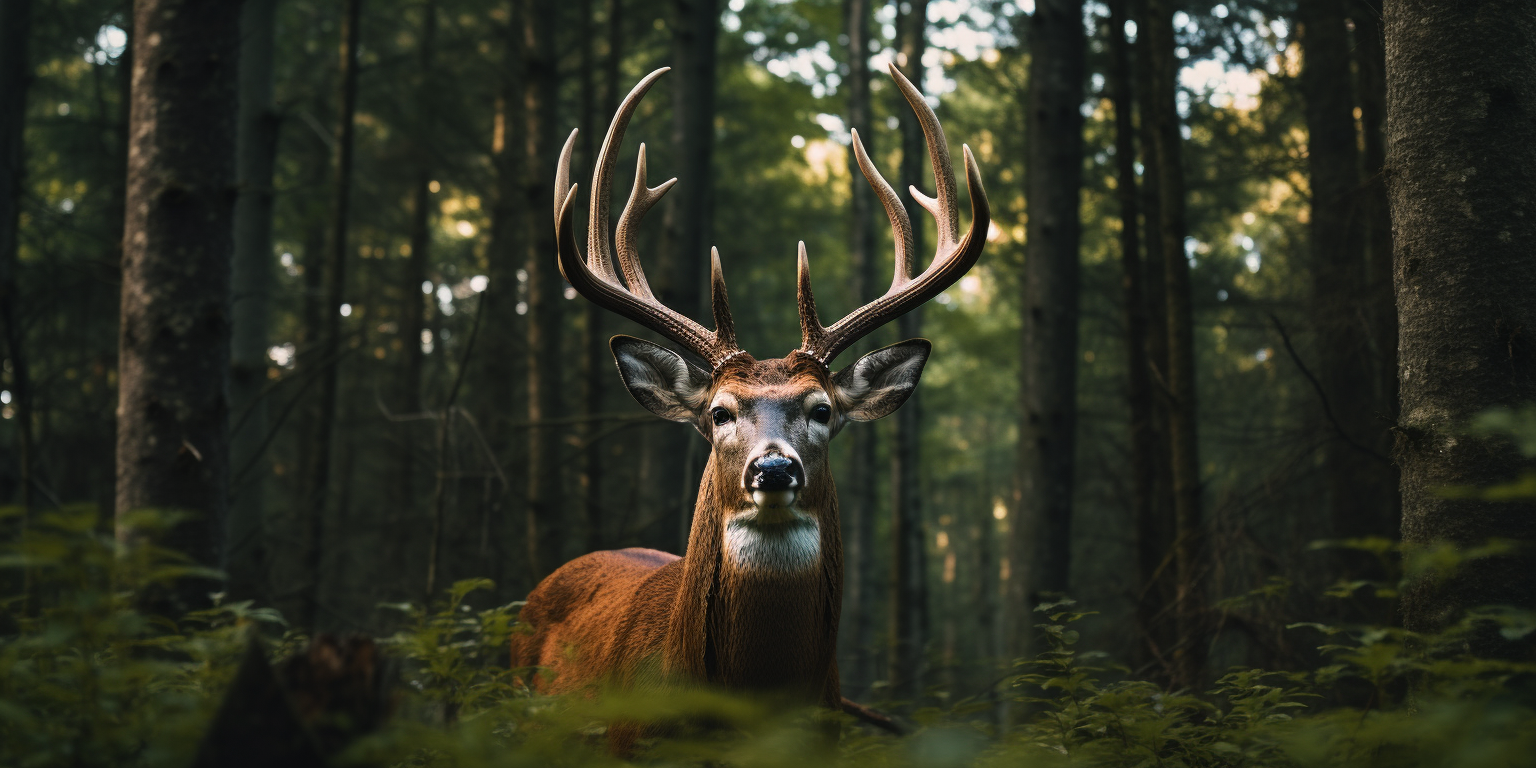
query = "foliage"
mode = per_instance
[{"x": 88, "y": 678}]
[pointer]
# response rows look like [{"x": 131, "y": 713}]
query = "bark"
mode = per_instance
[
  {"x": 251, "y": 294},
  {"x": 1188, "y": 657},
  {"x": 335, "y": 285},
  {"x": 15, "y": 80},
  {"x": 1151, "y": 546},
  {"x": 909, "y": 583},
  {"x": 858, "y": 497},
  {"x": 413, "y": 309},
  {"x": 1461, "y": 127},
  {"x": 546, "y": 528},
  {"x": 1042, "y": 540},
  {"x": 669, "y": 478},
  {"x": 173, "y": 412}
]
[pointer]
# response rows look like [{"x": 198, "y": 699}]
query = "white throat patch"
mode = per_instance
[{"x": 788, "y": 547}]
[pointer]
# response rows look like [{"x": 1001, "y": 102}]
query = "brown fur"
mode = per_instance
[{"x": 604, "y": 618}]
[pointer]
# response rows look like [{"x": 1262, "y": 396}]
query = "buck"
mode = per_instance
[{"x": 753, "y": 603}]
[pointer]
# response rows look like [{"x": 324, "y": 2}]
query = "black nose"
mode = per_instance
[{"x": 773, "y": 472}]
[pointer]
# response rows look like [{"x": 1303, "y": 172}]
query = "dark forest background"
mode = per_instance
[{"x": 1172, "y": 379}]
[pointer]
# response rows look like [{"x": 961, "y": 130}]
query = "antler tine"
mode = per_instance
[
  {"x": 602, "y": 174},
  {"x": 901, "y": 226},
  {"x": 945, "y": 213},
  {"x": 954, "y": 257},
  {"x": 641, "y": 200},
  {"x": 595, "y": 278}
]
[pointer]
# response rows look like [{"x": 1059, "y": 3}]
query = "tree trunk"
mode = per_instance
[
  {"x": 413, "y": 309},
  {"x": 1380, "y": 311},
  {"x": 252, "y": 286},
  {"x": 500, "y": 366},
  {"x": 858, "y": 495},
  {"x": 1151, "y": 545},
  {"x": 1358, "y": 475},
  {"x": 1183, "y": 445},
  {"x": 15, "y": 80},
  {"x": 173, "y": 416},
  {"x": 669, "y": 480},
  {"x": 1053, "y": 120},
  {"x": 909, "y": 572},
  {"x": 597, "y": 370},
  {"x": 546, "y": 526},
  {"x": 335, "y": 285},
  {"x": 1461, "y": 125}
]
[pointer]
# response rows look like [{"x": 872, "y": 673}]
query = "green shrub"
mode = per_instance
[{"x": 86, "y": 678}]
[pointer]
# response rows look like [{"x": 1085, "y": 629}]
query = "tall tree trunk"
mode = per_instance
[
  {"x": 329, "y": 351},
  {"x": 252, "y": 285},
  {"x": 15, "y": 80},
  {"x": 1155, "y": 533},
  {"x": 1359, "y": 478},
  {"x": 1183, "y": 442},
  {"x": 546, "y": 526},
  {"x": 500, "y": 366},
  {"x": 669, "y": 479},
  {"x": 909, "y": 571},
  {"x": 1461, "y": 126},
  {"x": 596, "y": 367},
  {"x": 413, "y": 309},
  {"x": 1042, "y": 537},
  {"x": 173, "y": 355},
  {"x": 858, "y": 496},
  {"x": 1150, "y": 546},
  {"x": 1380, "y": 310}
]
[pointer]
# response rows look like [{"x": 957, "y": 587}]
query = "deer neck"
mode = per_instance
[{"x": 769, "y": 618}]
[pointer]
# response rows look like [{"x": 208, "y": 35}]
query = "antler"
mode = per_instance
[
  {"x": 953, "y": 257},
  {"x": 594, "y": 276}
]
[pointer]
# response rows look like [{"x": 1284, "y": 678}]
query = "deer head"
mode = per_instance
[{"x": 767, "y": 503}]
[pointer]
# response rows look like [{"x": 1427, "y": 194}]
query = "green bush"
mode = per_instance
[{"x": 87, "y": 678}]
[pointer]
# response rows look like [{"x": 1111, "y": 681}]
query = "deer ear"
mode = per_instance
[
  {"x": 659, "y": 379},
  {"x": 879, "y": 382}
]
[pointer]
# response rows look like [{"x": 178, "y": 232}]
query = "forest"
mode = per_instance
[{"x": 1221, "y": 453}]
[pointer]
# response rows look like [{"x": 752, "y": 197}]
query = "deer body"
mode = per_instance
[{"x": 754, "y": 602}]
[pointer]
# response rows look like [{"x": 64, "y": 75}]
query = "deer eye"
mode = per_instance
[
  {"x": 720, "y": 415},
  {"x": 822, "y": 413}
]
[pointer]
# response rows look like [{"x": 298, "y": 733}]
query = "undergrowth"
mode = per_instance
[{"x": 87, "y": 679}]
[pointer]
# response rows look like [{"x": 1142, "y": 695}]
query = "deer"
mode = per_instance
[{"x": 754, "y": 601}]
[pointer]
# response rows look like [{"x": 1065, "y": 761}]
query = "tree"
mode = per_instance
[
  {"x": 858, "y": 498},
  {"x": 672, "y": 456},
  {"x": 1048, "y": 384},
  {"x": 15, "y": 79},
  {"x": 1359, "y": 477},
  {"x": 173, "y": 428},
  {"x": 1151, "y": 547},
  {"x": 326, "y": 361},
  {"x": 1461, "y": 122},
  {"x": 1179, "y": 376},
  {"x": 546, "y": 525},
  {"x": 251, "y": 288},
  {"x": 909, "y": 570},
  {"x": 413, "y": 305}
]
